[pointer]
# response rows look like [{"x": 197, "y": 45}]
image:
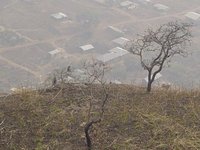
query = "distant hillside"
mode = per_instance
[{"x": 54, "y": 119}]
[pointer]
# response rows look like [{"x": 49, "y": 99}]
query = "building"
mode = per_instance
[
  {"x": 128, "y": 4},
  {"x": 87, "y": 47},
  {"x": 56, "y": 52},
  {"x": 161, "y": 7},
  {"x": 119, "y": 50},
  {"x": 107, "y": 57},
  {"x": 113, "y": 54},
  {"x": 115, "y": 29},
  {"x": 59, "y": 16},
  {"x": 121, "y": 41},
  {"x": 193, "y": 16}
]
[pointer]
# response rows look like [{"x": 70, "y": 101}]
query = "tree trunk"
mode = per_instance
[
  {"x": 149, "y": 86},
  {"x": 149, "y": 81},
  {"x": 88, "y": 139}
]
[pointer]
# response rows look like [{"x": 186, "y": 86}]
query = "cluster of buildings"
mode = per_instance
[
  {"x": 119, "y": 50},
  {"x": 113, "y": 47},
  {"x": 132, "y": 4}
]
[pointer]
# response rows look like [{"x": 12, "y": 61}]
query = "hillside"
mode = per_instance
[{"x": 133, "y": 119}]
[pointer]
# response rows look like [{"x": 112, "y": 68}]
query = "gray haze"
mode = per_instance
[{"x": 30, "y": 31}]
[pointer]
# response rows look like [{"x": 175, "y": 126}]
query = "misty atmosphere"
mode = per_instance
[
  {"x": 39, "y": 36},
  {"x": 99, "y": 75}
]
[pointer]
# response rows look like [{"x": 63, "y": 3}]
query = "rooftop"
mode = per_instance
[
  {"x": 193, "y": 15},
  {"x": 113, "y": 54},
  {"x": 121, "y": 41},
  {"x": 161, "y": 7},
  {"x": 55, "y": 52},
  {"x": 115, "y": 29},
  {"x": 126, "y": 3},
  {"x": 59, "y": 15},
  {"x": 119, "y": 50},
  {"x": 87, "y": 47}
]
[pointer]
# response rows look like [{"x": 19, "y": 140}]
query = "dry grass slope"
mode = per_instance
[{"x": 133, "y": 119}]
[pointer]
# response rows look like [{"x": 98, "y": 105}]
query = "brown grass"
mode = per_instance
[{"x": 133, "y": 119}]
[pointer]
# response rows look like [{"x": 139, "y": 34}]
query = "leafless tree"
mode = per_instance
[
  {"x": 157, "y": 47},
  {"x": 96, "y": 73}
]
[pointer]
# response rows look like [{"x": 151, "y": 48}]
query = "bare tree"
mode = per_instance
[
  {"x": 157, "y": 47},
  {"x": 96, "y": 73}
]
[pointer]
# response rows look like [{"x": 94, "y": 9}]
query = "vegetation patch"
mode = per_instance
[{"x": 133, "y": 119}]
